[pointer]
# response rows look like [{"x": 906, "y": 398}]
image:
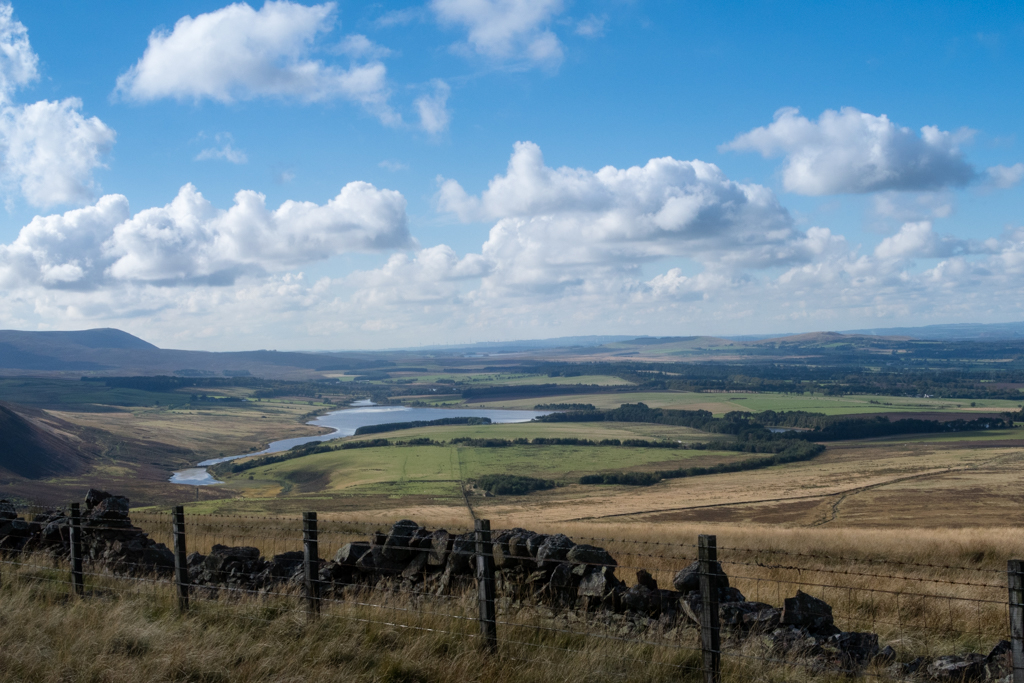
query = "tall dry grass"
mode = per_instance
[
  {"x": 130, "y": 631},
  {"x": 925, "y": 592}
]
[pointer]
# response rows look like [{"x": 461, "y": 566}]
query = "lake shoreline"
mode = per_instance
[{"x": 344, "y": 423}]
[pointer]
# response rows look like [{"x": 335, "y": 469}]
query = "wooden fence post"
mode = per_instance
[
  {"x": 485, "y": 585},
  {"x": 1015, "y": 580},
  {"x": 180, "y": 557},
  {"x": 311, "y": 564},
  {"x": 710, "y": 643},
  {"x": 77, "y": 578}
]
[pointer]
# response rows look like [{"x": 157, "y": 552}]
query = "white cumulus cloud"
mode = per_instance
[
  {"x": 48, "y": 150},
  {"x": 191, "y": 241},
  {"x": 63, "y": 249},
  {"x": 919, "y": 240},
  {"x": 431, "y": 275},
  {"x": 239, "y": 53},
  {"x": 513, "y": 31},
  {"x": 189, "y": 238},
  {"x": 664, "y": 247},
  {"x": 558, "y": 227},
  {"x": 576, "y": 249},
  {"x": 565, "y": 233},
  {"x": 849, "y": 151}
]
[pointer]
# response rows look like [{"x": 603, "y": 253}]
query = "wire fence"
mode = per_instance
[{"x": 674, "y": 610}]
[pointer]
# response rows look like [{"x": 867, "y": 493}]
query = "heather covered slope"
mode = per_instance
[{"x": 35, "y": 445}]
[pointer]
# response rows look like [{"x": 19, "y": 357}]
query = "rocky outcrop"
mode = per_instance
[
  {"x": 808, "y": 613},
  {"x": 969, "y": 668},
  {"x": 688, "y": 580},
  {"x": 108, "y": 536}
]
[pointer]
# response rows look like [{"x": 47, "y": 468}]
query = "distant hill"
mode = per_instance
[
  {"x": 35, "y": 445},
  {"x": 827, "y": 338},
  {"x": 113, "y": 352},
  {"x": 101, "y": 338},
  {"x": 109, "y": 352},
  {"x": 20, "y": 350},
  {"x": 952, "y": 332}
]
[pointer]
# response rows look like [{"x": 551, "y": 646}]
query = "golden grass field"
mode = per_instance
[
  {"x": 142, "y": 445},
  {"x": 225, "y": 430},
  {"x": 127, "y": 630}
]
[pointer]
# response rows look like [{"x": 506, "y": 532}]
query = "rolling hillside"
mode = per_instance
[{"x": 35, "y": 445}]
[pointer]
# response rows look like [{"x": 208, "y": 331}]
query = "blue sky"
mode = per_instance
[{"x": 470, "y": 170}]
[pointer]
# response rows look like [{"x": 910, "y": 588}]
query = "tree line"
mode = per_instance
[{"x": 756, "y": 426}]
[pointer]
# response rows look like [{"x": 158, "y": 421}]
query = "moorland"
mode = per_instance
[{"x": 888, "y": 460}]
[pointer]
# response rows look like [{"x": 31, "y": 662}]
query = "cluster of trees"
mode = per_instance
[
  {"x": 841, "y": 428},
  {"x": 754, "y": 427},
  {"x": 396, "y": 426},
  {"x": 512, "y": 484},
  {"x": 793, "y": 452},
  {"x": 486, "y": 443},
  {"x": 736, "y": 422},
  {"x": 198, "y": 398}
]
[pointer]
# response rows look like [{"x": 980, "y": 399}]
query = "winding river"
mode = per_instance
[{"x": 345, "y": 422}]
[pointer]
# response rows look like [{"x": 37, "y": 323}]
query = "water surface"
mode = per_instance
[{"x": 345, "y": 422}]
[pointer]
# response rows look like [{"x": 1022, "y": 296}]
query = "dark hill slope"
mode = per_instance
[
  {"x": 113, "y": 352},
  {"x": 64, "y": 351},
  {"x": 35, "y": 445},
  {"x": 101, "y": 338}
]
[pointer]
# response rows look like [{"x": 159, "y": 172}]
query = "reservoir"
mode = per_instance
[{"x": 345, "y": 422}]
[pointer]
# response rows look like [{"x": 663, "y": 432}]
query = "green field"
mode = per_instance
[
  {"x": 429, "y": 470},
  {"x": 722, "y": 403},
  {"x": 435, "y": 472}
]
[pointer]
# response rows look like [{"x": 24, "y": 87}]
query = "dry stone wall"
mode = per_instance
[
  {"x": 109, "y": 538},
  {"x": 532, "y": 568}
]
